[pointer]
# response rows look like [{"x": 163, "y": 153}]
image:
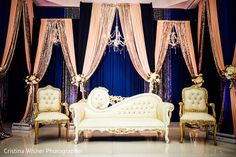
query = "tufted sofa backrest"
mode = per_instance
[
  {"x": 195, "y": 98},
  {"x": 139, "y": 106},
  {"x": 48, "y": 99}
]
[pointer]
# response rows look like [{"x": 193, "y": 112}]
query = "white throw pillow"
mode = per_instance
[{"x": 99, "y": 98}]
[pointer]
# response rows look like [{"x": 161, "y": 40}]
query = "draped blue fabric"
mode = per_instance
[
  {"x": 17, "y": 91},
  {"x": 227, "y": 126},
  {"x": 227, "y": 24},
  {"x": 116, "y": 73},
  {"x": 54, "y": 73},
  {"x": 174, "y": 71}
]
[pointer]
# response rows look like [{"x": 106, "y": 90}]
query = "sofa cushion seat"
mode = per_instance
[{"x": 138, "y": 123}]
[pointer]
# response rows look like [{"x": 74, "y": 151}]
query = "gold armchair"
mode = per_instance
[
  {"x": 194, "y": 110},
  {"x": 47, "y": 110}
]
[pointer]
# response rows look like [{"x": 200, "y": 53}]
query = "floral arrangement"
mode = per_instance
[
  {"x": 153, "y": 77},
  {"x": 230, "y": 72},
  {"x": 78, "y": 79},
  {"x": 198, "y": 80},
  {"x": 32, "y": 79},
  {"x": 116, "y": 99}
]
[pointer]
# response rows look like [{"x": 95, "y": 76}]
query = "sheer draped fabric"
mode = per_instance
[
  {"x": 210, "y": 7},
  {"x": 183, "y": 31},
  {"x": 17, "y": 8},
  {"x": 200, "y": 30},
  {"x": 214, "y": 32},
  {"x": 233, "y": 95},
  {"x": 13, "y": 28},
  {"x": 47, "y": 36},
  {"x": 131, "y": 24},
  {"x": 28, "y": 15},
  {"x": 162, "y": 40},
  {"x": 102, "y": 17},
  {"x": 184, "y": 35}
]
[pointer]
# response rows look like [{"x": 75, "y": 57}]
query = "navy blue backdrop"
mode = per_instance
[{"x": 117, "y": 71}]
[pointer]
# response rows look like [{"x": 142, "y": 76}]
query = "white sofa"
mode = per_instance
[{"x": 142, "y": 112}]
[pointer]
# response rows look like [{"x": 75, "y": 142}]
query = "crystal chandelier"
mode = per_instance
[
  {"x": 115, "y": 39},
  {"x": 174, "y": 40}
]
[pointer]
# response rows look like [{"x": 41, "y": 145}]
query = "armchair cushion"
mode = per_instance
[
  {"x": 51, "y": 116},
  {"x": 197, "y": 116}
]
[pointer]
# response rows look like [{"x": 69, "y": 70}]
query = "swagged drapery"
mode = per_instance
[
  {"x": 28, "y": 15},
  {"x": 209, "y": 7},
  {"x": 131, "y": 24},
  {"x": 51, "y": 32},
  {"x": 102, "y": 17},
  {"x": 13, "y": 28},
  {"x": 184, "y": 35},
  {"x": 233, "y": 95},
  {"x": 17, "y": 7}
]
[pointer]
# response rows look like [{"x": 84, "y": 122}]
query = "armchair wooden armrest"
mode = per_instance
[
  {"x": 66, "y": 106},
  {"x": 212, "y": 105},
  {"x": 181, "y": 104}
]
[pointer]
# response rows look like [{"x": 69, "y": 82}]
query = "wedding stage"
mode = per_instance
[{"x": 158, "y": 62}]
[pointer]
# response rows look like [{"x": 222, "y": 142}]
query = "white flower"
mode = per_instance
[
  {"x": 32, "y": 79},
  {"x": 78, "y": 79},
  {"x": 198, "y": 80},
  {"x": 153, "y": 77},
  {"x": 230, "y": 72}
]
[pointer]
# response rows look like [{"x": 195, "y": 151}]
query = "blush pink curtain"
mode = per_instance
[
  {"x": 184, "y": 35},
  {"x": 162, "y": 41},
  {"x": 183, "y": 31},
  {"x": 233, "y": 95},
  {"x": 50, "y": 31},
  {"x": 102, "y": 17},
  {"x": 28, "y": 15},
  {"x": 66, "y": 37},
  {"x": 12, "y": 33},
  {"x": 101, "y": 21},
  {"x": 200, "y": 30},
  {"x": 131, "y": 23},
  {"x": 214, "y": 32},
  {"x": 210, "y": 6}
]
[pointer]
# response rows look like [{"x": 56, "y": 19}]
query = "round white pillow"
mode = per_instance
[{"x": 99, "y": 98}]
